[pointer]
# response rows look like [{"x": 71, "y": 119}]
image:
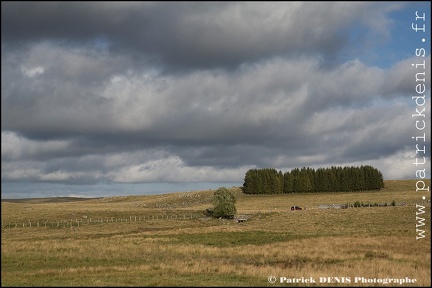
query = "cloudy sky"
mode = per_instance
[{"x": 127, "y": 98}]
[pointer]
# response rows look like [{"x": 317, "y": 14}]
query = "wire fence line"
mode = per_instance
[
  {"x": 93, "y": 221},
  {"x": 70, "y": 223}
]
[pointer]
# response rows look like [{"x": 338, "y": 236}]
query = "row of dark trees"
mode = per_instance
[{"x": 334, "y": 179}]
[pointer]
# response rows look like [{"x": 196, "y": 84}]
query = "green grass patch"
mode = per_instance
[{"x": 230, "y": 239}]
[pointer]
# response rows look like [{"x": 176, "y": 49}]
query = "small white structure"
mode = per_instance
[{"x": 241, "y": 218}]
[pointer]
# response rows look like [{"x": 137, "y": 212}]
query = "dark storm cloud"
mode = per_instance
[
  {"x": 158, "y": 91},
  {"x": 182, "y": 35}
]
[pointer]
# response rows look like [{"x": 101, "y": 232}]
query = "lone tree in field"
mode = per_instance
[{"x": 224, "y": 204}]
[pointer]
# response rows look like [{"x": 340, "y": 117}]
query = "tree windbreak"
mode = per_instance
[{"x": 334, "y": 179}]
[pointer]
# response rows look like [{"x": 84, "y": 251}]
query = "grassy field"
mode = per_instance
[{"x": 375, "y": 243}]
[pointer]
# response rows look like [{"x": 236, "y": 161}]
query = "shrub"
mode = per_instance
[{"x": 224, "y": 204}]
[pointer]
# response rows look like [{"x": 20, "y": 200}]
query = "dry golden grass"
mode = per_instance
[{"x": 376, "y": 242}]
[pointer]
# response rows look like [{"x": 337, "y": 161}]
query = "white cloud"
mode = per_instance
[
  {"x": 173, "y": 169},
  {"x": 14, "y": 146},
  {"x": 33, "y": 71}
]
